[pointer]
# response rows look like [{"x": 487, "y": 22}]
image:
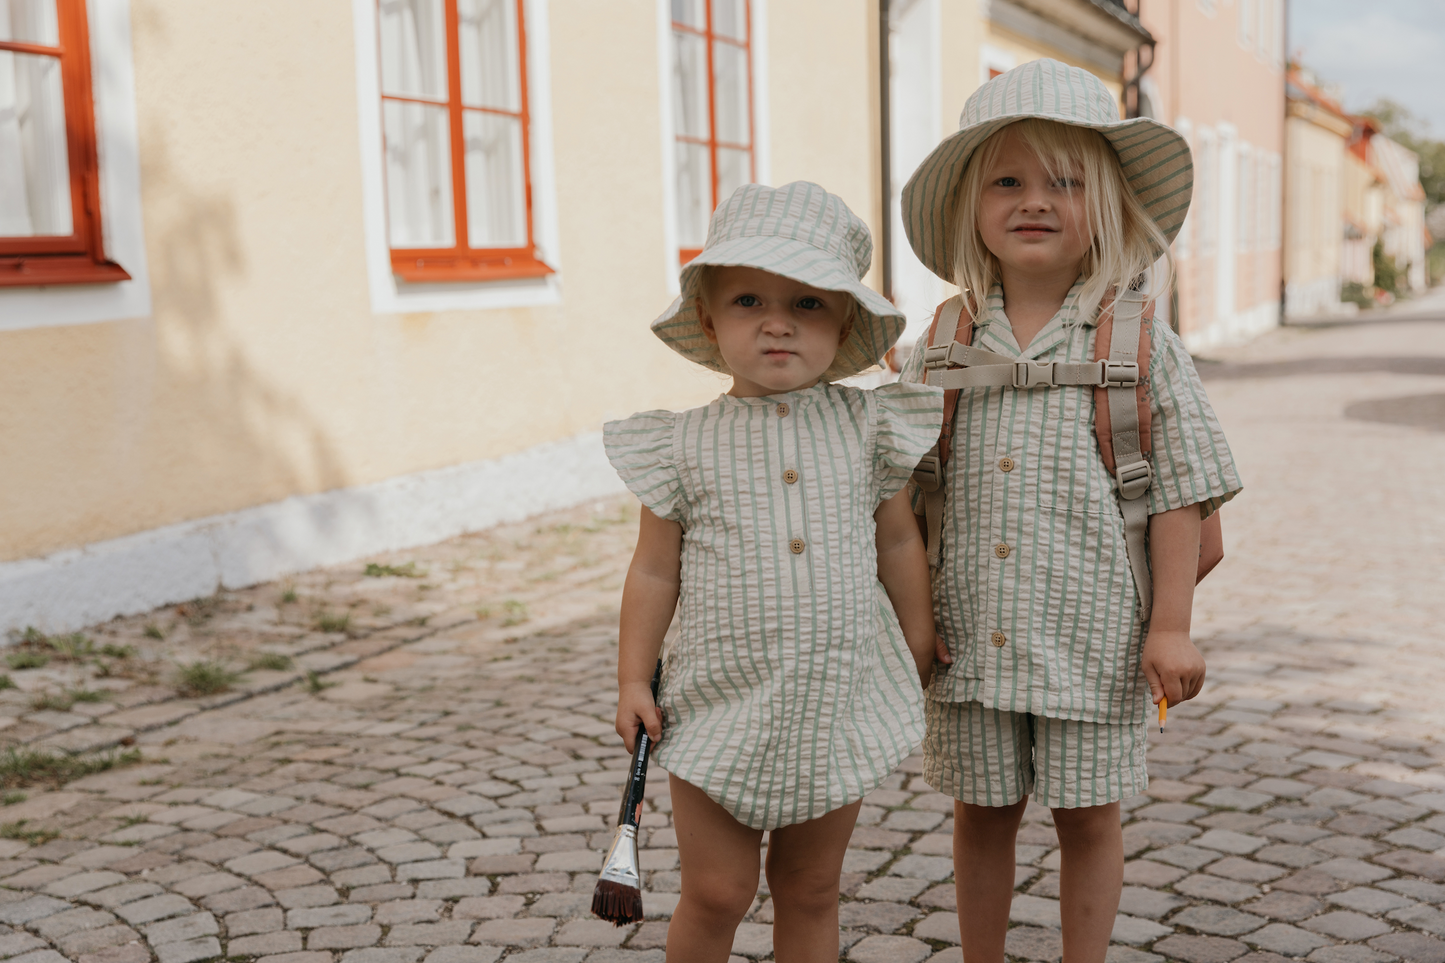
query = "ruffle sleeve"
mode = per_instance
[
  {"x": 908, "y": 419},
  {"x": 640, "y": 449}
]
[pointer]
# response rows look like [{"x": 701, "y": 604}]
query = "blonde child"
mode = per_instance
[
  {"x": 770, "y": 516},
  {"x": 1041, "y": 208}
]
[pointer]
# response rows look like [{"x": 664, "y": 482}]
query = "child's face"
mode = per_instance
[
  {"x": 775, "y": 334},
  {"x": 1034, "y": 224}
]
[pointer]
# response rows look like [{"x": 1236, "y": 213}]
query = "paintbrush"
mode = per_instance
[{"x": 618, "y": 896}]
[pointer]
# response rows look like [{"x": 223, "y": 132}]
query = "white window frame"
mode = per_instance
[
  {"x": 1183, "y": 241},
  {"x": 117, "y": 146},
  {"x": 994, "y": 58},
  {"x": 388, "y": 294},
  {"x": 762, "y": 138},
  {"x": 1246, "y": 22}
]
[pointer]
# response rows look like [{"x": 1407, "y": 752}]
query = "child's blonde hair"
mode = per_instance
[{"x": 1125, "y": 242}]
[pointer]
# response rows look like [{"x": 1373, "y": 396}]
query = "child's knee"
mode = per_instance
[
  {"x": 1088, "y": 823},
  {"x": 804, "y": 889},
  {"x": 722, "y": 897}
]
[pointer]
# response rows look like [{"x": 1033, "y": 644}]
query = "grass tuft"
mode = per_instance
[
  {"x": 51, "y": 702},
  {"x": 123, "y": 651},
  {"x": 332, "y": 622},
  {"x": 152, "y": 631},
  {"x": 11, "y": 798},
  {"x": 34, "y": 837},
  {"x": 24, "y": 765},
  {"x": 75, "y": 647},
  {"x": 314, "y": 683},
  {"x": 270, "y": 661},
  {"x": 409, "y": 570},
  {"x": 289, "y": 596},
  {"x": 88, "y": 695},
  {"x": 6, "y": 682},
  {"x": 206, "y": 677},
  {"x": 26, "y": 659}
]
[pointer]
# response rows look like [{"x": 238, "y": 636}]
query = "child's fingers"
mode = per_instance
[
  {"x": 654, "y": 725},
  {"x": 940, "y": 650}
]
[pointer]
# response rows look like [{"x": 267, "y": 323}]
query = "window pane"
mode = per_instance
[
  {"x": 730, "y": 19},
  {"x": 693, "y": 13},
  {"x": 413, "y": 49},
  {"x": 34, "y": 166},
  {"x": 733, "y": 115},
  {"x": 490, "y": 61},
  {"x": 734, "y": 169},
  {"x": 689, "y": 85},
  {"x": 694, "y": 194},
  {"x": 496, "y": 190},
  {"x": 418, "y": 175},
  {"x": 29, "y": 21}
]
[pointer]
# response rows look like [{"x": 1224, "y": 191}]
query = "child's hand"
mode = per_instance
[
  {"x": 636, "y": 709},
  {"x": 1173, "y": 666},
  {"x": 940, "y": 650}
]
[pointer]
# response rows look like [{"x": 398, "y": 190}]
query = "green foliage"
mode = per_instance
[
  {"x": 409, "y": 570},
  {"x": 24, "y": 765},
  {"x": 332, "y": 622},
  {"x": 152, "y": 631},
  {"x": 11, "y": 798},
  {"x": 314, "y": 685},
  {"x": 33, "y": 837},
  {"x": 51, "y": 702},
  {"x": 270, "y": 661},
  {"x": 206, "y": 677},
  {"x": 288, "y": 596},
  {"x": 1409, "y": 131},
  {"x": 1387, "y": 275},
  {"x": 1356, "y": 293},
  {"x": 516, "y": 612},
  {"x": 6, "y": 682},
  {"x": 26, "y": 659},
  {"x": 88, "y": 695},
  {"x": 123, "y": 651}
]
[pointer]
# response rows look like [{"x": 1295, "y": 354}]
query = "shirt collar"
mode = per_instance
[{"x": 1049, "y": 335}]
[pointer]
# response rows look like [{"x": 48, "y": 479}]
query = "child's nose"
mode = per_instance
[{"x": 777, "y": 322}]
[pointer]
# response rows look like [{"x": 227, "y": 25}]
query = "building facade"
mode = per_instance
[{"x": 1318, "y": 241}]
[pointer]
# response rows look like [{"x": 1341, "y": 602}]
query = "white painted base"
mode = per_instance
[
  {"x": 136, "y": 573},
  {"x": 1312, "y": 298},
  {"x": 1236, "y": 329}
]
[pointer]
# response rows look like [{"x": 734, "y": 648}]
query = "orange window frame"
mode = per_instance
[
  {"x": 712, "y": 143},
  {"x": 461, "y": 262},
  {"x": 80, "y": 257}
]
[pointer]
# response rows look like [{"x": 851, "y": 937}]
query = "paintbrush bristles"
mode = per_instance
[{"x": 617, "y": 903}]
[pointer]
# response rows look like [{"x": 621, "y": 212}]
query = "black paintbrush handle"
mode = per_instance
[{"x": 631, "y": 812}]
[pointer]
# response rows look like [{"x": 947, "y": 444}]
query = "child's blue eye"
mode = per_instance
[
  {"x": 1008, "y": 182},
  {"x": 748, "y": 301},
  {"x": 1068, "y": 183},
  {"x": 809, "y": 304}
]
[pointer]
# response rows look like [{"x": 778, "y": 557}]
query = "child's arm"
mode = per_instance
[
  {"x": 903, "y": 570},
  {"x": 649, "y": 597},
  {"x": 1172, "y": 664}
]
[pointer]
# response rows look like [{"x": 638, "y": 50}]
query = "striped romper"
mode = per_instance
[
  {"x": 1034, "y": 596},
  {"x": 789, "y": 691}
]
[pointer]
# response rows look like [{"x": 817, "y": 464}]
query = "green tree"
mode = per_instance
[{"x": 1412, "y": 132}]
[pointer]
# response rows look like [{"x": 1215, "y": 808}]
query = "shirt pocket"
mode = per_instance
[{"x": 1069, "y": 473}]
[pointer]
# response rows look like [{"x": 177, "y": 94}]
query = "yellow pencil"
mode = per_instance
[{"x": 1163, "y": 711}]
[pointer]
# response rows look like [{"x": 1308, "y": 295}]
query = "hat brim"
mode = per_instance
[
  {"x": 876, "y": 328},
  {"x": 1155, "y": 159}
]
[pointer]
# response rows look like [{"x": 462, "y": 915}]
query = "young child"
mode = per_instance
[
  {"x": 1040, "y": 208},
  {"x": 770, "y": 516}
]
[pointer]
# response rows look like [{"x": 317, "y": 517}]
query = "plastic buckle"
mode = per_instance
[
  {"x": 1134, "y": 480},
  {"x": 936, "y": 356},
  {"x": 927, "y": 475},
  {"x": 1118, "y": 374},
  {"x": 1033, "y": 374}
]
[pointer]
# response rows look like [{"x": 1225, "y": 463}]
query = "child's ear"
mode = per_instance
[{"x": 705, "y": 319}]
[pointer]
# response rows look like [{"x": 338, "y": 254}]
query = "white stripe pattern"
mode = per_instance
[
  {"x": 789, "y": 691},
  {"x": 1034, "y": 595}
]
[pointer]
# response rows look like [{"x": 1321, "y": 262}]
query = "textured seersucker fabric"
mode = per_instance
[
  {"x": 1063, "y": 596},
  {"x": 789, "y": 691}
]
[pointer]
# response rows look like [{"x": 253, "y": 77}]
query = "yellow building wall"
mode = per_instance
[
  {"x": 1027, "y": 48},
  {"x": 263, "y": 372},
  {"x": 1314, "y": 187}
]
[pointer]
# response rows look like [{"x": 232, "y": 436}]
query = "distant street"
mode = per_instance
[{"x": 443, "y": 788}]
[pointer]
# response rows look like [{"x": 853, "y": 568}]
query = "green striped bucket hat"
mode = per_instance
[
  {"x": 1155, "y": 157},
  {"x": 799, "y": 231}
]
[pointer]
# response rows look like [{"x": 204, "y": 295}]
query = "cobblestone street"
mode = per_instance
[{"x": 416, "y": 762}]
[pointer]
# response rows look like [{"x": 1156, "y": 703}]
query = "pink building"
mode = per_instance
[{"x": 1217, "y": 76}]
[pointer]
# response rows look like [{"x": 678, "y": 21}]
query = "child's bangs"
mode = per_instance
[{"x": 1063, "y": 150}]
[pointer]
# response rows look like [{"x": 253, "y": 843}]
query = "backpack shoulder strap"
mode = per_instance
[
  {"x": 1122, "y": 423},
  {"x": 928, "y": 476}
]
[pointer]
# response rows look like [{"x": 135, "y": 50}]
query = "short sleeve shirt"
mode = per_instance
[
  {"x": 1034, "y": 595},
  {"x": 789, "y": 691}
]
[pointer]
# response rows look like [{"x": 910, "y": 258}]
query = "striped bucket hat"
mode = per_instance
[
  {"x": 1155, "y": 158},
  {"x": 799, "y": 231}
]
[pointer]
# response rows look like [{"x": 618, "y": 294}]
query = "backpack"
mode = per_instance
[{"x": 1122, "y": 418}]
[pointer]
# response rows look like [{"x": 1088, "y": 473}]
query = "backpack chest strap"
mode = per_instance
[{"x": 1006, "y": 372}]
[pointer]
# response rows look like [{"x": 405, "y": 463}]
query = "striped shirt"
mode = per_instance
[
  {"x": 1034, "y": 595},
  {"x": 789, "y": 691}
]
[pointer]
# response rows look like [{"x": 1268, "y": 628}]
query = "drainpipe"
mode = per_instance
[
  {"x": 885, "y": 150},
  {"x": 1284, "y": 155},
  {"x": 1141, "y": 67}
]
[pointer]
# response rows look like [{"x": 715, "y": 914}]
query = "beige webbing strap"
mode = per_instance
[
  {"x": 928, "y": 476},
  {"x": 1132, "y": 470},
  {"x": 1010, "y": 373}
]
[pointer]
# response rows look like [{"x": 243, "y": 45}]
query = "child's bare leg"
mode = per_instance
[
  {"x": 719, "y": 857},
  {"x": 983, "y": 871},
  {"x": 804, "y": 863},
  {"x": 1091, "y": 877}
]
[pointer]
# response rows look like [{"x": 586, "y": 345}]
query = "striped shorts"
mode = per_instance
[{"x": 992, "y": 757}]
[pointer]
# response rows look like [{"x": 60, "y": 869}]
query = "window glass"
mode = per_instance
[
  {"x": 496, "y": 185},
  {"x": 734, "y": 169},
  {"x": 730, "y": 19},
  {"x": 34, "y": 165},
  {"x": 689, "y": 86},
  {"x": 413, "y": 49},
  {"x": 29, "y": 21},
  {"x": 418, "y": 174},
  {"x": 489, "y": 47},
  {"x": 692, "y": 13},
  {"x": 694, "y": 194},
  {"x": 730, "y": 64}
]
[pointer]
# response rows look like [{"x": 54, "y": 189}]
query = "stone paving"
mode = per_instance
[{"x": 442, "y": 791}]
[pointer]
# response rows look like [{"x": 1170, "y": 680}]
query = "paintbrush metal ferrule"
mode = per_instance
[{"x": 621, "y": 865}]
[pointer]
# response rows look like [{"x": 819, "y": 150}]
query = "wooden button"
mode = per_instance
[
  {"x": 790, "y": 476},
  {"x": 783, "y": 410},
  {"x": 1001, "y": 550},
  {"x": 1006, "y": 464},
  {"x": 999, "y": 639},
  {"x": 796, "y": 546}
]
